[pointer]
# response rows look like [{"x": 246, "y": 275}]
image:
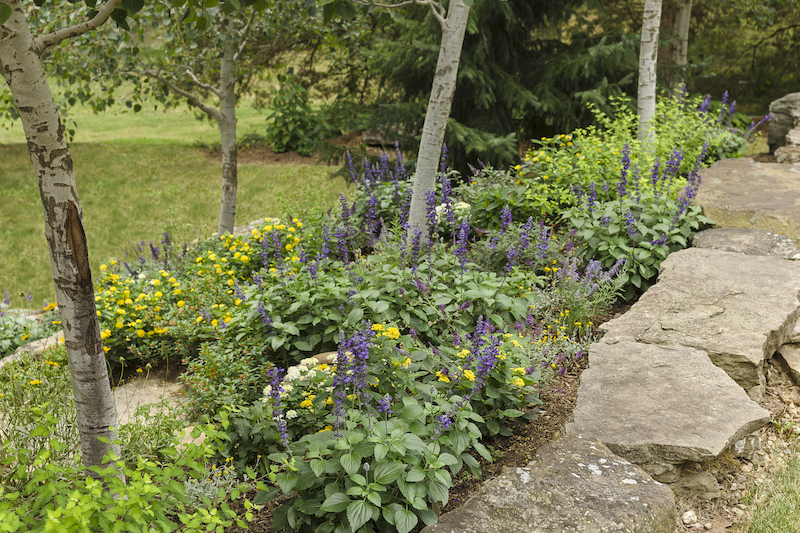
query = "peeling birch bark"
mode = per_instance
[
  {"x": 648, "y": 56},
  {"x": 21, "y": 67},
  {"x": 439, "y": 105}
]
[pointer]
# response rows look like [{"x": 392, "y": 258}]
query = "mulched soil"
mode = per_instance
[
  {"x": 558, "y": 401},
  {"x": 264, "y": 155},
  {"x": 764, "y": 158}
]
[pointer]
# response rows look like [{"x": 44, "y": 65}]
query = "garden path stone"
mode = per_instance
[
  {"x": 573, "y": 484},
  {"x": 161, "y": 390},
  {"x": 33, "y": 347},
  {"x": 661, "y": 406},
  {"x": 740, "y": 193},
  {"x": 746, "y": 241},
  {"x": 736, "y": 308},
  {"x": 790, "y": 353}
]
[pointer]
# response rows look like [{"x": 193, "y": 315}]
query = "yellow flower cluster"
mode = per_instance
[{"x": 390, "y": 332}]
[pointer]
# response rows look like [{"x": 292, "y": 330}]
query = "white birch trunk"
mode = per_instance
[
  {"x": 22, "y": 69},
  {"x": 648, "y": 56},
  {"x": 439, "y": 105},
  {"x": 226, "y": 121},
  {"x": 681, "y": 49}
]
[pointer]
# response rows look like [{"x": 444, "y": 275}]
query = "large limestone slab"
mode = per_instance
[
  {"x": 572, "y": 484},
  {"x": 739, "y": 193},
  {"x": 746, "y": 241},
  {"x": 736, "y": 308},
  {"x": 786, "y": 114},
  {"x": 661, "y": 406}
]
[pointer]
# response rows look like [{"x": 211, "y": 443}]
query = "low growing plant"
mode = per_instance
[
  {"x": 46, "y": 495},
  {"x": 644, "y": 224}
]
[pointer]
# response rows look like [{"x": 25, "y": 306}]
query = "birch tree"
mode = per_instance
[
  {"x": 648, "y": 57},
  {"x": 21, "y": 66},
  {"x": 681, "y": 48},
  {"x": 454, "y": 25},
  {"x": 183, "y": 69},
  {"x": 453, "y": 22}
]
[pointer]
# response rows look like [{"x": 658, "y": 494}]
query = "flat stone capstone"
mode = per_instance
[
  {"x": 736, "y": 308},
  {"x": 746, "y": 241},
  {"x": 573, "y": 484},
  {"x": 740, "y": 193},
  {"x": 661, "y": 406}
]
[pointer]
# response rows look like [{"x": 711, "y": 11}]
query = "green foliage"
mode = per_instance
[
  {"x": 45, "y": 495},
  {"x": 641, "y": 231},
  {"x": 17, "y": 329},
  {"x": 35, "y": 391},
  {"x": 592, "y": 154},
  {"x": 294, "y": 126},
  {"x": 398, "y": 457},
  {"x": 225, "y": 373}
]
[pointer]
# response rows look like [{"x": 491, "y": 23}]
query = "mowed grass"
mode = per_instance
[
  {"x": 775, "y": 504},
  {"x": 135, "y": 182}
]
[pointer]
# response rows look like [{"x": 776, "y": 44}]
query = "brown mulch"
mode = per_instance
[
  {"x": 764, "y": 158},
  {"x": 264, "y": 155},
  {"x": 558, "y": 401}
]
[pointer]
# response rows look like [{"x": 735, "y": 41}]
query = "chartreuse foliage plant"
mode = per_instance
[
  {"x": 17, "y": 328},
  {"x": 45, "y": 487},
  {"x": 644, "y": 224},
  {"x": 554, "y": 166}
]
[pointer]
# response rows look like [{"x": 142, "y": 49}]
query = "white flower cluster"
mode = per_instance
[
  {"x": 307, "y": 369},
  {"x": 459, "y": 209}
]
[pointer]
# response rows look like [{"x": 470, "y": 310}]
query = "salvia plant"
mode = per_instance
[{"x": 645, "y": 222}]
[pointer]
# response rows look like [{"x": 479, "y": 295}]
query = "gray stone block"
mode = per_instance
[
  {"x": 739, "y": 193},
  {"x": 785, "y": 111},
  {"x": 572, "y": 485},
  {"x": 661, "y": 406},
  {"x": 736, "y": 308},
  {"x": 746, "y": 241}
]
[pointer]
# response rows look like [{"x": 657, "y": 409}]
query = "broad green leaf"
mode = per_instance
[
  {"x": 318, "y": 466},
  {"x": 303, "y": 346},
  {"x": 512, "y": 413},
  {"x": 386, "y": 472},
  {"x": 359, "y": 513},
  {"x": 132, "y": 6},
  {"x": 481, "y": 449},
  {"x": 335, "y": 503},
  {"x": 405, "y": 520},
  {"x": 448, "y": 459},
  {"x": 415, "y": 474},
  {"x": 351, "y": 462},
  {"x": 5, "y": 12}
]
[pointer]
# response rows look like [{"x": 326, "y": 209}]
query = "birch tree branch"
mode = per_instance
[
  {"x": 435, "y": 6},
  {"x": 199, "y": 83},
  {"x": 193, "y": 98},
  {"x": 44, "y": 42},
  {"x": 243, "y": 37}
]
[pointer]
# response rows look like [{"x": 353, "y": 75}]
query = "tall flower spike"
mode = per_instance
[{"x": 622, "y": 186}]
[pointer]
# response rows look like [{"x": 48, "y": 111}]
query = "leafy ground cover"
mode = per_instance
[{"x": 437, "y": 339}]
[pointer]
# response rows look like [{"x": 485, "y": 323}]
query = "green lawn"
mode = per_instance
[{"x": 139, "y": 175}]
